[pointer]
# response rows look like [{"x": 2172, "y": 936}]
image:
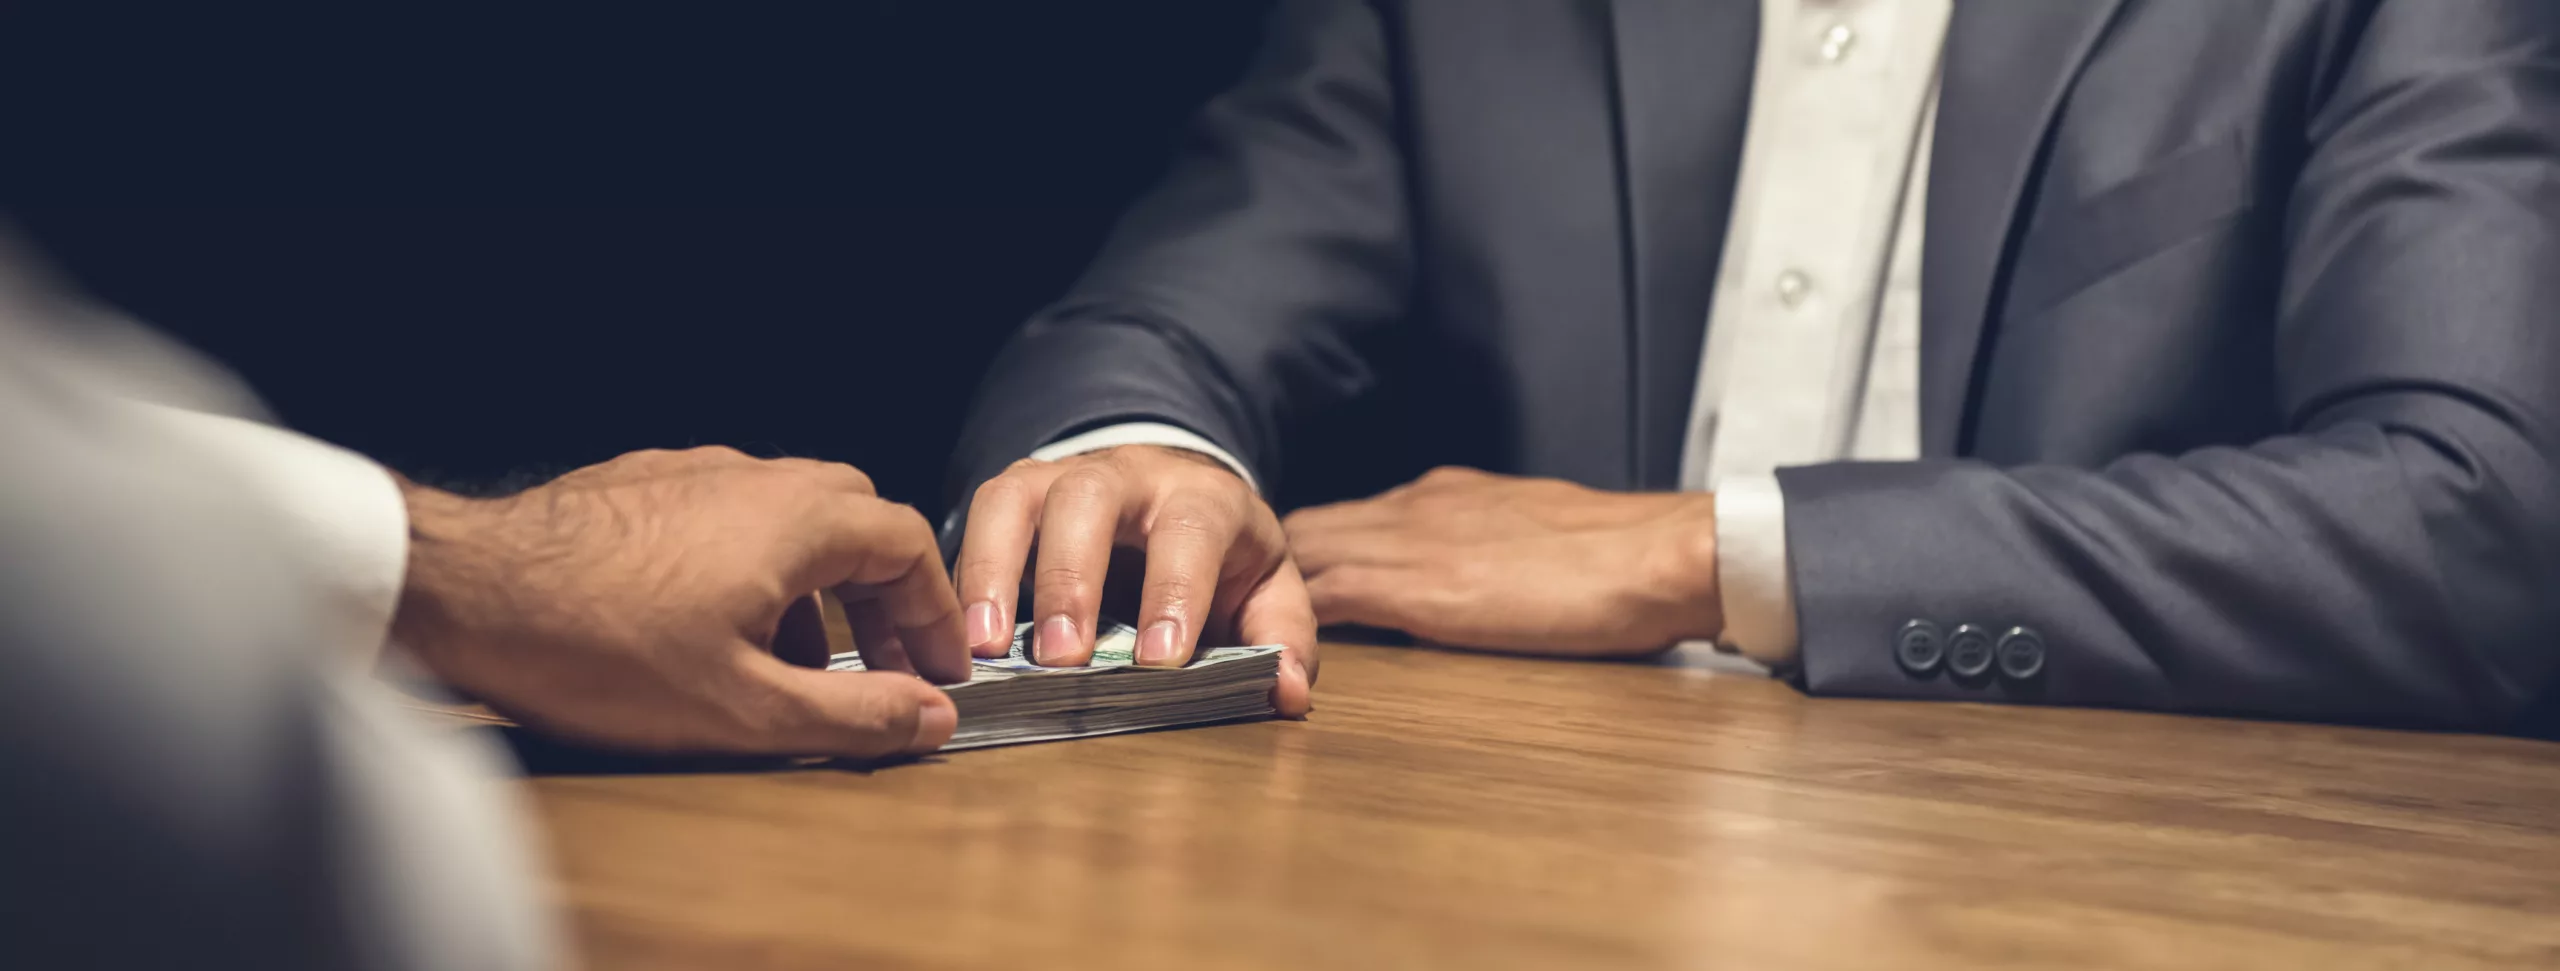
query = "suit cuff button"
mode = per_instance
[
  {"x": 1919, "y": 646},
  {"x": 1969, "y": 651},
  {"x": 2021, "y": 653}
]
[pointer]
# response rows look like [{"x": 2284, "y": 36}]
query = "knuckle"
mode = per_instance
[
  {"x": 1059, "y": 577},
  {"x": 1193, "y": 522},
  {"x": 1001, "y": 491},
  {"x": 1324, "y": 591},
  {"x": 757, "y": 713},
  {"x": 849, "y": 478},
  {"x": 1260, "y": 516},
  {"x": 1180, "y": 583},
  {"x": 906, "y": 518},
  {"x": 1023, "y": 465},
  {"x": 1177, "y": 585},
  {"x": 1205, "y": 481},
  {"x": 896, "y": 527},
  {"x": 877, "y": 727},
  {"x": 833, "y": 475},
  {"x": 977, "y": 571},
  {"x": 874, "y": 715},
  {"x": 1249, "y": 508},
  {"x": 991, "y": 572},
  {"x": 1220, "y": 492},
  {"x": 1172, "y": 599},
  {"x": 1086, "y": 482}
]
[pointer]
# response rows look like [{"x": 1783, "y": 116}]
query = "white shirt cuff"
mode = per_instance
[
  {"x": 347, "y": 525},
  {"x": 1142, "y": 433},
  {"x": 1751, "y": 569}
]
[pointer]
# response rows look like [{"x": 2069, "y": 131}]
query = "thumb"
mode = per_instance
[
  {"x": 858, "y": 714},
  {"x": 1280, "y": 612}
]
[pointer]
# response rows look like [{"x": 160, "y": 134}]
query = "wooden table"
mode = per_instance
[{"x": 1444, "y": 810}]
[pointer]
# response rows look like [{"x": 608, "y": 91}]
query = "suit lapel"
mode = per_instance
[
  {"x": 1682, "y": 93},
  {"x": 2007, "y": 66}
]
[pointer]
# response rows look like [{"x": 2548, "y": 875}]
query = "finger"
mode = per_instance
[
  {"x": 1002, "y": 519},
  {"x": 1364, "y": 595},
  {"x": 1341, "y": 515},
  {"x": 1323, "y": 545},
  {"x": 1437, "y": 478},
  {"x": 854, "y": 714},
  {"x": 1280, "y": 612},
  {"x": 884, "y": 553},
  {"x": 801, "y": 636},
  {"x": 874, "y": 636},
  {"x": 1078, "y": 521},
  {"x": 1187, "y": 545}
]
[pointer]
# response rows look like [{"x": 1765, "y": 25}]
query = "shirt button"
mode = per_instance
[
  {"x": 1836, "y": 41},
  {"x": 1792, "y": 287}
]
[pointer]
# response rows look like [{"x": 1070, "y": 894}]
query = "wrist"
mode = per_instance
[
  {"x": 1688, "y": 535},
  {"x": 1177, "y": 452},
  {"x": 444, "y": 560}
]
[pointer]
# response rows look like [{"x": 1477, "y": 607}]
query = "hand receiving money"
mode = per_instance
[{"x": 633, "y": 604}]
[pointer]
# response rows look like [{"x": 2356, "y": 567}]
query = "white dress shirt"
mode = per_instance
[
  {"x": 1813, "y": 337},
  {"x": 196, "y": 602},
  {"x": 1812, "y": 350},
  {"x": 347, "y": 527}
]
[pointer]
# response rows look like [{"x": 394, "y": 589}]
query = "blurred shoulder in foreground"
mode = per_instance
[{"x": 204, "y": 774}]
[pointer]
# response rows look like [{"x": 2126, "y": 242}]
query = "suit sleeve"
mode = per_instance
[
  {"x": 2391, "y": 557},
  {"x": 1234, "y": 292}
]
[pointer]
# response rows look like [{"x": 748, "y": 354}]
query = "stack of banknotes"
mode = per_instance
[{"x": 1009, "y": 700}]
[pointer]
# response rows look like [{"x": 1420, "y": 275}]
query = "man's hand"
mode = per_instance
[
  {"x": 1473, "y": 559},
  {"x": 1216, "y": 561},
  {"x": 636, "y": 603}
]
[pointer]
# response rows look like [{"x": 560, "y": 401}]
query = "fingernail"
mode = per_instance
[
  {"x": 982, "y": 624},
  {"x": 1057, "y": 641},
  {"x": 934, "y": 725},
  {"x": 1156, "y": 645}
]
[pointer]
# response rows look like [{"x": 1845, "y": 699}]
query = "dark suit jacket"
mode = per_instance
[{"x": 2240, "y": 321}]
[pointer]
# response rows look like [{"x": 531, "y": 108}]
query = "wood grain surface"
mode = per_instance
[{"x": 1456, "y": 811}]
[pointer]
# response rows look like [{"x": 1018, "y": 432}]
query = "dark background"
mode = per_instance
[{"x": 482, "y": 245}]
